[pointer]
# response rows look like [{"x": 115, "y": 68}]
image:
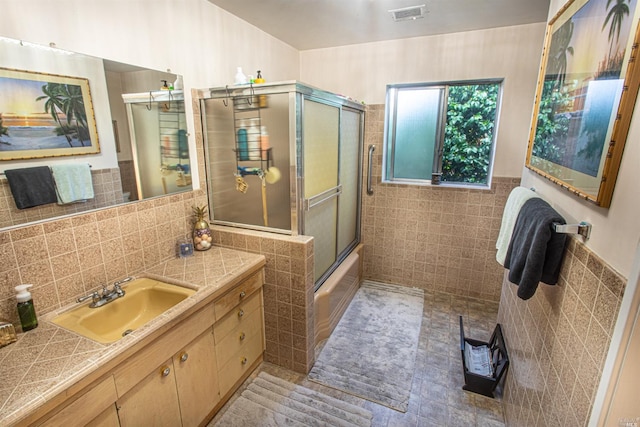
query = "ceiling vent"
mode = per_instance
[{"x": 408, "y": 13}]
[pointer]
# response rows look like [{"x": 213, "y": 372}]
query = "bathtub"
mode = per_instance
[{"x": 333, "y": 297}]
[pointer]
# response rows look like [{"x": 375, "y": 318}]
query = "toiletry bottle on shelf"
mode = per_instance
[
  {"x": 178, "y": 83},
  {"x": 164, "y": 86},
  {"x": 240, "y": 78},
  {"x": 26, "y": 310},
  {"x": 262, "y": 99},
  {"x": 264, "y": 143},
  {"x": 243, "y": 145},
  {"x": 253, "y": 140}
]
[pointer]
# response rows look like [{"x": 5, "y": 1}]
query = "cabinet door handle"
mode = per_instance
[
  {"x": 184, "y": 357},
  {"x": 166, "y": 371},
  {"x": 243, "y": 294},
  {"x": 242, "y": 336},
  {"x": 240, "y": 313},
  {"x": 244, "y": 360}
]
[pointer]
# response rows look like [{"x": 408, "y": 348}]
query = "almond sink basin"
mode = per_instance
[{"x": 144, "y": 300}]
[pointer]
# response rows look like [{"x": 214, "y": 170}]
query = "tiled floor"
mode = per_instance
[{"x": 437, "y": 398}]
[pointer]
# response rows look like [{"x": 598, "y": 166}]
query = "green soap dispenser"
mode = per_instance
[{"x": 26, "y": 310}]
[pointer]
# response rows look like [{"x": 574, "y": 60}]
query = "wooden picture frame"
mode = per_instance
[
  {"x": 45, "y": 115},
  {"x": 586, "y": 93}
]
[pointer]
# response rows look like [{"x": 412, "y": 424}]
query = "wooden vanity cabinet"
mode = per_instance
[
  {"x": 182, "y": 391},
  {"x": 179, "y": 377},
  {"x": 197, "y": 379},
  {"x": 153, "y": 401}
]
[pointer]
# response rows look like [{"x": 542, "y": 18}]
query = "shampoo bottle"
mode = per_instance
[
  {"x": 26, "y": 310},
  {"x": 253, "y": 136},
  {"x": 264, "y": 143},
  {"x": 243, "y": 145}
]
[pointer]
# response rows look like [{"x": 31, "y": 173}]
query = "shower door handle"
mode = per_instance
[
  {"x": 325, "y": 196},
  {"x": 370, "y": 165}
]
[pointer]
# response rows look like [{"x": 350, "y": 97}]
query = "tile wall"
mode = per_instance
[
  {"x": 107, "y": 189},
  {"x": 558, "y": 341},
  {"x": 69, "y": 257},
  {"x": 436, "y": 238}
]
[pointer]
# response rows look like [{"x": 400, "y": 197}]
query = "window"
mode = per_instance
[{"x": 442, "y": 132}]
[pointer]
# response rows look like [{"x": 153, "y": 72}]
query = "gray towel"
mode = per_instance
[
  {"x": 536, "y": 250},
  {"x": 31, "y": 186}
]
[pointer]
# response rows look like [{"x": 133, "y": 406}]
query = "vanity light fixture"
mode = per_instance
[{"x": 408, "y": 13}]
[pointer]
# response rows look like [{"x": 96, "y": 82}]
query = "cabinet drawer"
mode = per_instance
[
  {"x": 237, "y": 295},
  {"x": 240, "y": 336},
  {"x": 239, "y": 363},
  {"x": 237, "y": 316}
]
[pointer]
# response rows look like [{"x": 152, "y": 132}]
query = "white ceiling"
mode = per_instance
[{"x": 313, "y": 24}]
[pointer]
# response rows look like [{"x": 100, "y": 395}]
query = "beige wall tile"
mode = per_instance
[{"x": 573, "y": 322}]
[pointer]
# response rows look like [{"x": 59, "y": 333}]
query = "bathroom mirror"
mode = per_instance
[{"x": 116, "y": 175}]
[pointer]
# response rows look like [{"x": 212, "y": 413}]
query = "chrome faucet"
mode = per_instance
[{"x": 107, "y": 295}]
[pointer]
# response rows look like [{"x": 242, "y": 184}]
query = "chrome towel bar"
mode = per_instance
[{"x": 583, "y": 229}]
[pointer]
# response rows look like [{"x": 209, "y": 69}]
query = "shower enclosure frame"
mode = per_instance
[{"x": 299, "y": 95}]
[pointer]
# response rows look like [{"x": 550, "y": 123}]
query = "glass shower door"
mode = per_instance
[
  {"x": 320, "y": 162},
  {"x": 331, "y": 151}
]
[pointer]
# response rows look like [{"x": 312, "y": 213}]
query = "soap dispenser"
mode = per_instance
[{"x": 26, "y": 310}]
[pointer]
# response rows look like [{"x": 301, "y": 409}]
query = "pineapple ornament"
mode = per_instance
[{"x": 201, "y": 231}]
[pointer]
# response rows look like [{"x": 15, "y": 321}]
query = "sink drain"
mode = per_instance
[{"x": 127, "y": 332}]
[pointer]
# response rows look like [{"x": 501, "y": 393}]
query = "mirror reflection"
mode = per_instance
[{"x": 140, "y": 122}]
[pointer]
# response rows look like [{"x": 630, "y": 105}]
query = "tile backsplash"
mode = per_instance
[
  {"x": 69, "y": 257},
  {"x": 558, "y": 341}
]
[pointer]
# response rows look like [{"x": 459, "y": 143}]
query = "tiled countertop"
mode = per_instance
[{"x": 47, "y": 360}]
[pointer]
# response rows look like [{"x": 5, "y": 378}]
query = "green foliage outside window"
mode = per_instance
[
  {"x": 471, "y": 114},
  {"x": 551, "y": 126}
]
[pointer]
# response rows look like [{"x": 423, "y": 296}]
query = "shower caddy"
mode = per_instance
[{"x": 246, "y": 108}]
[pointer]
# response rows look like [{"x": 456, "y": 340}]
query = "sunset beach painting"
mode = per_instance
[{"x": 45, "y": 115}]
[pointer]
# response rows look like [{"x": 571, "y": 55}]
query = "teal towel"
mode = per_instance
[{"x": 73, "y": 182}]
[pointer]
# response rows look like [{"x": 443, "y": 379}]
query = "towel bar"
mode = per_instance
[
  {"x": 3, "y": 174},
  {"x": 583, "y": 229}
]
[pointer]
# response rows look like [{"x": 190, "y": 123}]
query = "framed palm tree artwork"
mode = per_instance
[
  {"x": 587, "y": 88},
  {"x": 45, "y": 115}
]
